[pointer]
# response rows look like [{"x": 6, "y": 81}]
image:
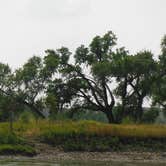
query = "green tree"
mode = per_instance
[
  {"x": 135, "y": 77},
  {"x": 159, "y": 89},
  {"x": 88, "y": 80},
  {"x": 30, "y": 81},
  {"x": 7, "y": 104}
]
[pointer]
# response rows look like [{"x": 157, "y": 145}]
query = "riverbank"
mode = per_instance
[
  {"x": 57, "y": 156},
  {"x": 47, "y": 152},
  {"x": 51, "y": 138},
  {"x": 51, "y": 154}
]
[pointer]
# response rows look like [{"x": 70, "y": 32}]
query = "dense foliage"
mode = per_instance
[{"x": 98, "y": 78}]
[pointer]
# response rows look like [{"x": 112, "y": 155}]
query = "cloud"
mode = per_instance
[{"x": 50, "y": 9}]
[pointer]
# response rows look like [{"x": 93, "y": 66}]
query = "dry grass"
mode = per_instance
[{"x": 35, "y": 129}]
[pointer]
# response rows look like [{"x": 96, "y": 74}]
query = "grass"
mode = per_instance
[
  {"x": 88, "y": 135},
  {"x": 35, "y": 129},
  {"x": 13, "y": 144},
  {"x": 8, "y": 149}
]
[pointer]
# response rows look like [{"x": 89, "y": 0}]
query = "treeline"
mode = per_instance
[{"x": 100, "y": 77}]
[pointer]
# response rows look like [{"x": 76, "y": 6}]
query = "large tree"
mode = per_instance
[
  {"x": 135, "y": 77},
  {"x": 88, "y": 75}
]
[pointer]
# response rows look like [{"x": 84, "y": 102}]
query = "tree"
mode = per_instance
[
  {"x": 88, "y": 79},
  {"x": 7, "y": 104},
  {"x": 93, "y": 78},
  {"x": 159, "y": 88},
  {"x": 135, "y": 77},
  {"x": 120, "y": 69},
  {"x": 57, "y": 94},
  {"x": 30, "y": 81}
]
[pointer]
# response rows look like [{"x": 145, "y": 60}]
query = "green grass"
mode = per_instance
[
  {"x": 36, "y": 129},
  {"x": 8, "y": 149},
  {"x": 13, "y": 144},
  {"x": 87, "y": 135}
]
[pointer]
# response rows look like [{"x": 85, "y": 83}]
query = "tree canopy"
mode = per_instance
[{"x": 98, "y": 77}]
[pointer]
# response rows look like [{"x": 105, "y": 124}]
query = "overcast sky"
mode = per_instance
[{"x": 28, "y": 27}]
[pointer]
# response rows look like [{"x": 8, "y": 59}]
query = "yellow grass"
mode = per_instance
[{"x": 35, "y": 129}]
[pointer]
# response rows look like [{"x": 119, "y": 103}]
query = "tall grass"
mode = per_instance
[
  {"x": 36, "y": 128},
  {"x": 89, "y": 135}
]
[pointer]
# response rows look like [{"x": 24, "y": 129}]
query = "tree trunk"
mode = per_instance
[
  {"x": 33, "y": 108},
  {"x": 124, "y": 93},
  {"x": 11, "y": 120},
  {"x": 110, "y": 116},
  {"x": 139, "y": 109}
]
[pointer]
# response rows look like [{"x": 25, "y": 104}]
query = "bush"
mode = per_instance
[
  {"x": 79, "y": 115},
  {"x": 150, "y": 115},
  {"x": 10, "y": 139},
  {"x": 26, "y": 117},
  {"x": 7, "y": 149},
  {"x": 128, "y": 120},
  {"x": 90, "y": 115},
  {"x": 161, "y": 119},
  {"x": 11, "y": 144}
]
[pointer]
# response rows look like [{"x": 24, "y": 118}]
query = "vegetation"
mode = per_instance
[
  {"x": 17, "y": 149},
  {"x": 98, "y": 82},
  {"x": 97, "y": 78},
  {"x": 11, "y": 144},
  {"x": 83, "y": 136}
]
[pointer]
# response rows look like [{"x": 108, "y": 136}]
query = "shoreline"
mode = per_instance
[
  {"x": 45, "y": 152},
  {"x": 117, "y": 157},
  {"x": 53, "y": 154},
  {"x": 84, "y": 141}
]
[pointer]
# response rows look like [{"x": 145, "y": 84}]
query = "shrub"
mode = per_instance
[
  {"x": 26, "y": 117},
  {"x": 89, "y": 115},
  {"x": 9, "y": 138},
  {"x": 128, "y": 120},
  {"x": 161, "y": 119},
  {"x": 79, "y": 115},
  {"x": 150, "y": 115},
  {"x": 7, "y": 149}
]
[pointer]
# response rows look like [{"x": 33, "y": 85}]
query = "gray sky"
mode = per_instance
[{"x": 28, "y": 27}]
